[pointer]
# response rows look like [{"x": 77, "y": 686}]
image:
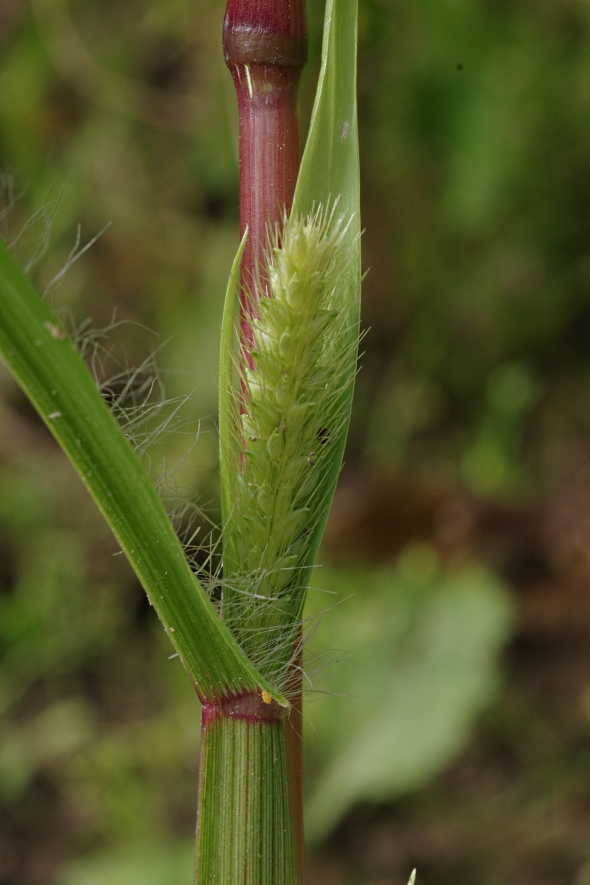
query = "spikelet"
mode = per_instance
[{"x": 296, "y": 390}]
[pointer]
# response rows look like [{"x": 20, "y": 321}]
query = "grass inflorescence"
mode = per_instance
[{"x": 289, "y": 415}]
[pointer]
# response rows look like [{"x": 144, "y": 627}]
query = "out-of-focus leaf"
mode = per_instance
[
  {"x": 423, "y": 663},
  {"x": 140, "y": 864},
  {"x": 54, "y": 734}
]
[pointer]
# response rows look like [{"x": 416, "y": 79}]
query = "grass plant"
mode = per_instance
[{"x": 286, "y": 381}]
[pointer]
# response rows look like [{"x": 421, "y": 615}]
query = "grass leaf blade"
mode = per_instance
[
  {"x": 49, "y": 369},
  {"x": 330, "y": 164},
  {"x": 330, "y": 173},
  {"x": 227, "y": 460}
]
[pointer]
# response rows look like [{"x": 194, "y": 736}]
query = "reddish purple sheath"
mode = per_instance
[{"x": 265, "y": 46}]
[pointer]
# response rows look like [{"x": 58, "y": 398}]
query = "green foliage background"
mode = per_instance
[{"x": 475, "y": 157}]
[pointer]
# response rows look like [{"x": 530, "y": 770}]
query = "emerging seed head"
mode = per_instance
[{"x": 288, "y": 431}]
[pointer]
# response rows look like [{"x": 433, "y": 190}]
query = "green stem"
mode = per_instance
[{"x": 244, "y": 830}]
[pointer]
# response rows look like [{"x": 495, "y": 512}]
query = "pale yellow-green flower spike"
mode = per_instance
[{"x": 291, "y": 414}]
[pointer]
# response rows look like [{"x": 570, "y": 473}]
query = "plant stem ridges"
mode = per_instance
[{"x": 244, "y": 830}]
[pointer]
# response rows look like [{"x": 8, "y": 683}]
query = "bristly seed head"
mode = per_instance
[{"x": 294, "y": 396}]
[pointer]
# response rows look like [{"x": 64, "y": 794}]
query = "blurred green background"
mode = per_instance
[{"x": 448, "y": 711}]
